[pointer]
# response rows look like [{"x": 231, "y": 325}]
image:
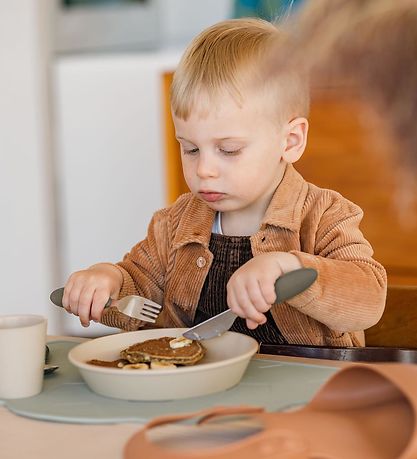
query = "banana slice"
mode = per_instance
[
  {"x": 176, "y": 343},
  {"x": 136, "y": 366},
  {"x": 155, "y": 365}
]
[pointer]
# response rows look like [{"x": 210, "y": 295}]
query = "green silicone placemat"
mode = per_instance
[{"x": 66, "y": 398}]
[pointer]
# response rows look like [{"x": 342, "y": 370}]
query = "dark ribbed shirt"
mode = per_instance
[{"x": 230, "y": 253}]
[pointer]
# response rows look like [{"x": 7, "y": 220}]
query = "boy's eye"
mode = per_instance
[
  {"x": 230, "y": 152},
  {"x": 192, "y": 151}
]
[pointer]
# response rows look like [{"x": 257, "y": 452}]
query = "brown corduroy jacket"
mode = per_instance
[{"x": 319, "y": 226}]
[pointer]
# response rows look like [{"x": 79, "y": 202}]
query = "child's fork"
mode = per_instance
[
  {"x": 136, "y": 306},
  {"x": 133, "y": 306}
]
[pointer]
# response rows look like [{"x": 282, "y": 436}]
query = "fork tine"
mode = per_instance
[
  {"x": 151, "y": 304},
  {"x": 146, "y": 318},
  {"x": 152, "y": 315},
  {"x": 151, "y": 308}
]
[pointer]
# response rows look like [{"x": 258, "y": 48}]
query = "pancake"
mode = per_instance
[
  {"x": 161, "y": 351},
  {"x": 119, "y": 363}
]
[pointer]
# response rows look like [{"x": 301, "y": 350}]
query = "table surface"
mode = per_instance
[{"x": 22, "y": 437}]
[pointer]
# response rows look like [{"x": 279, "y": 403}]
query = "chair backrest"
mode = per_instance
[
  {"x": 342, "y": 155},
  {"x": 398, "y": 324}
]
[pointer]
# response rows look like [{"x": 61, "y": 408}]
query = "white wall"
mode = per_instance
[{"x": 26, "y": 202}]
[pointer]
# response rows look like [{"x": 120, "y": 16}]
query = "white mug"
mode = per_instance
[{"x": 22, "y": 355}]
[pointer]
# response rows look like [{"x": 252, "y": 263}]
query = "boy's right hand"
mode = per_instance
[{"x": 87, "y": 291}]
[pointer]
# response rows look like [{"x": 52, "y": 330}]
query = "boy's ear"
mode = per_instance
[{"x": 296, "y": 139}]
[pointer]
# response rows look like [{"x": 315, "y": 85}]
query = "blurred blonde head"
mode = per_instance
[
  {"x": 373, "y": 44},
  {"x": 229, "y": 57}
]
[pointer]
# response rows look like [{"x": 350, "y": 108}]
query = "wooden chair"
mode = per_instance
[{"x": 398, "y": 325}]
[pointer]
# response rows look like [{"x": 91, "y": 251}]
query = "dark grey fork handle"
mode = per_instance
[
  {"x": 56, "y": 298},
  {"x": 293, "y": 283}
]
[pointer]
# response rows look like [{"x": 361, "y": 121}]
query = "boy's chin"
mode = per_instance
[
  {"x": 217, "y": 206},
  {"x": 213, "y": 205}
]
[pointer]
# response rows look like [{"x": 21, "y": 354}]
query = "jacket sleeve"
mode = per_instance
[
  {"x": 350, "y": 291},
  {"x": 144, "y": 267}
]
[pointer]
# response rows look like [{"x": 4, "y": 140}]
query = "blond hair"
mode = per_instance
[{"x": 230, "y": 56}]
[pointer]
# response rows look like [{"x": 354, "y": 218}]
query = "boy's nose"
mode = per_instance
[{"x": 206, "y": 166}]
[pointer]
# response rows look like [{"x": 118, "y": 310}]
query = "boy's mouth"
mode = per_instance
[{"x": 211, "y": 196}]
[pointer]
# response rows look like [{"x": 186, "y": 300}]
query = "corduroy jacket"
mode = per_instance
[{"x": 319, "y": 226}]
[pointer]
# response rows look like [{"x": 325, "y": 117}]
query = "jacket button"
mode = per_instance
[{"x": 201, "y": 262}]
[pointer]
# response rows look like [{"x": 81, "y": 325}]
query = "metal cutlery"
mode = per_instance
[
  {"x": 133, "y": 306},
  {"x": 49, "y": 368},
  {"x": 286, "y": 286}
]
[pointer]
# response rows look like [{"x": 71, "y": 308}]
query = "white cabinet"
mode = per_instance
[{"x": 110, "y": 157}]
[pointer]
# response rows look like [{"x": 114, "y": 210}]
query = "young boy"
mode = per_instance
[{"x": 250, "y": 217}]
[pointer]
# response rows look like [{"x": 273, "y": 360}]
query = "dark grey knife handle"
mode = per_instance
[
  {"x": 56, "y": 298},
  {"x": 293, "y": 283}
]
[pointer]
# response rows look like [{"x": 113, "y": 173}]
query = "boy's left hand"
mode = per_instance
[{"x": 251, "y": 288}]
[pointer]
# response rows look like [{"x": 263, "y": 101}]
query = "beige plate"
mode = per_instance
[{"x": 222, "y": 367}]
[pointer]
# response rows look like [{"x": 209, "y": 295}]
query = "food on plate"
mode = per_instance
[
  {"x": 135, "y": 366},
  {"x": 119, "y": 363},
  {"x": 155, "y": 365},
  {"x": 156, "y": 354},
  {"x": 181, "y": 341},
  {"x": 161, "y": 350}
]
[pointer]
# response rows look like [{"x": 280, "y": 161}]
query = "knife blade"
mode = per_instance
[{"x": 286, "y": 286}]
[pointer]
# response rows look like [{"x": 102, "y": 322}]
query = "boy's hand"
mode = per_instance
[
  {"x": 251, "y": 288},
  {"x": 87, "y": 291}
]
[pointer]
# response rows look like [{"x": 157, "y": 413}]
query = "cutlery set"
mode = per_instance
[{"x": 137, "y": 307}]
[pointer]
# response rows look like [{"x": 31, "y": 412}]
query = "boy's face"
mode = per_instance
[{"x": 232, "y": 155}]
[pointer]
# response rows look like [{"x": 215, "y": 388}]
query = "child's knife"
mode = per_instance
[{"x": 286, "y": 286}]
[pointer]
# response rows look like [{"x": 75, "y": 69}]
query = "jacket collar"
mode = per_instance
[
  {"x": 284, "y": 211},
  {"x": 195, "y": 224},
  {"x": 286, "y": 206}
]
